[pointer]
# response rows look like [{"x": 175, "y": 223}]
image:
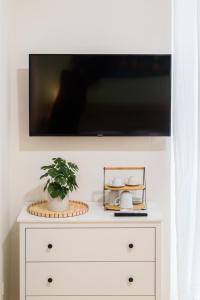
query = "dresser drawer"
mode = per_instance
[
  {"x": 90, "y": 278},
  {"x": 90, "y": 244},
  {"x": 90, "y": 298}
]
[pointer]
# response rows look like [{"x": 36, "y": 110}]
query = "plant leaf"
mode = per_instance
[
  {"x": 46, "y": 167},
  {"x": 53, "y": 172},
  {"x": 73, "y": 166},
  {"x": 60, "y": 179},
  {"x": 53, "y": 190},
  {"x": 45, "y": 187},
  {"x": 44, "y": 175}
]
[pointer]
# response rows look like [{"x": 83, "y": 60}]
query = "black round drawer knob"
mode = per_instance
[
  {"x": 50, "y": 246},
  {"x": 50, "y": 279},
  {"x": 130, "y": 279},
  {"x": 130, "y": 246}
]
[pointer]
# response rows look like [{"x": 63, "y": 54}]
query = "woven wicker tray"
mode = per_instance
[{"x": 40, "y": 209}]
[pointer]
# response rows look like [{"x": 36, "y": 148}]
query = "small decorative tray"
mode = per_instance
[{"x": 40, "y": 209}]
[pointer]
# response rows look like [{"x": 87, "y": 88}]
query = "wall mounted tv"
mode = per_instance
[{"x": 99, "y": 95}]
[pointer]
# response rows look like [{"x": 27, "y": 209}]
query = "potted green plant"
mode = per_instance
[{"x": 61, "y": 179}]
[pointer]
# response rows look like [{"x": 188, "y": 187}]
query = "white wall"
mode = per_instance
[{"x": 82, "y": 26}]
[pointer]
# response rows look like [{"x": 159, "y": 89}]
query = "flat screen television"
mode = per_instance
[{"x": 99, "y": 95}]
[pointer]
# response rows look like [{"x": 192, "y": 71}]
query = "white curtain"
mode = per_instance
[
  {"x": 186, "y": 151},
  {"x": 4, "y": 137}
]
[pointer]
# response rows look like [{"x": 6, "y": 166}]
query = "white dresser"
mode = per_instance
[{"x": 91, "y": 257}]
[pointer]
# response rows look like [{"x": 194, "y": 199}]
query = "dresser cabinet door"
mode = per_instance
[
  {"x": 90, "y": 244},
  {"x": 90, "y": 278}
]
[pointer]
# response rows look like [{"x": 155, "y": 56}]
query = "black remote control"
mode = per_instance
[{"x": 130, "y": 214}]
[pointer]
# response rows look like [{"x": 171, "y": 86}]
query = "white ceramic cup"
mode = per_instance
[
  {"x": 117, "y": 181},
  {"x": 131, "y": 180},
  {"x": 126, "y": 200}
]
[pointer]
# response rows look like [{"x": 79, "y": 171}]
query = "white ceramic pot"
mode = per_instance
[{"x": 57, "y": 204}]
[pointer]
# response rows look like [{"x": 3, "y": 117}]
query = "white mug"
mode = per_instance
[
  {"x": 117, "y": 182},
  {"x": 131, "y": 181},
  {"x": 126, "y": 200}
]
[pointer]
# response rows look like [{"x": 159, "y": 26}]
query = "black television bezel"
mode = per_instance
[{"x": 99, "y": 134}]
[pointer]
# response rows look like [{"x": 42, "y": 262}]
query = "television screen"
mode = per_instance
[{"x": 99, "y": 95}]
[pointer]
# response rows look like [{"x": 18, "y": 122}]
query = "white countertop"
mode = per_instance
[{"x": 95, "y": 214}]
